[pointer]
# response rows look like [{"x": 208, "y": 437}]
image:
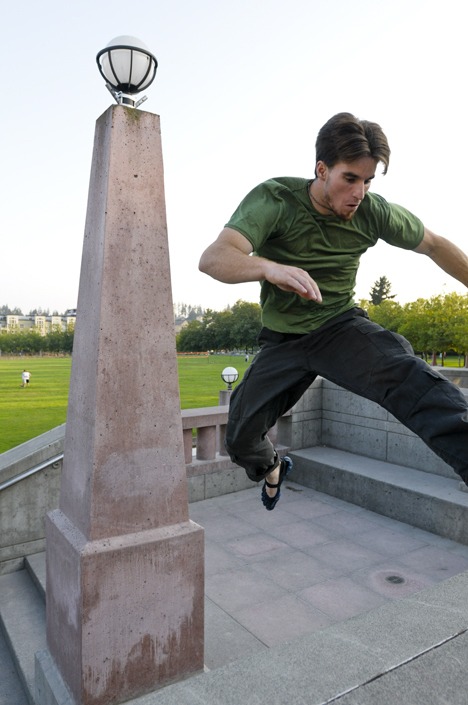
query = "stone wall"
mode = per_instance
[{"x": 328, "y": 415}]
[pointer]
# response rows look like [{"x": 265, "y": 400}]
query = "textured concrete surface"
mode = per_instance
[{"x": 11, "y": 690}]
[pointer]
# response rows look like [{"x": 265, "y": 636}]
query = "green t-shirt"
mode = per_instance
[{"x": 280, "y": 222}]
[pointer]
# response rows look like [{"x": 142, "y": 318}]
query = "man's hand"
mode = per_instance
[{"x": 292, "y": 279}]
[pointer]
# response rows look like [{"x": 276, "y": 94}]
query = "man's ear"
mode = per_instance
[{"x": 321, "y": 170}]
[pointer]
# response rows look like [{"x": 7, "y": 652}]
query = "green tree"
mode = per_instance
[
  {"x": 456, "y": 309},
  {"x": 428, "y": 326},
  {"x": 214, "y": 330},
  {"x": 60, "y": 341},
  {"x": 5, "y": 310},
  {"x": 388, "y": 314},
  {"x": 413, "y": 326},
  {"x": 220, "y": 330},
  {"x": 245, "y": 325},
  {"x": 234, "y": 328},
  {"x": 32, "y": 342},
  {"x": 381, "y": 291},
  {"x": 39, "y": 312},
  {"x": 190, "y": 338}
]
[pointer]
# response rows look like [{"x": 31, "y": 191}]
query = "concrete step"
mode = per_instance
[
  {"x": 36, "y": 567},
  {"x": 22, "y": 618},
  {"x": 428, "y": 501},
  {"x": 11, "y": 690}
]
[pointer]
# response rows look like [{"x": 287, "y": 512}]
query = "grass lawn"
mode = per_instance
[{"x": 28, "y": 412}]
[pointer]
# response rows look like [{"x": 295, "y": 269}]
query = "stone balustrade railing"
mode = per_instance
[{"x": 203, "y": 431}]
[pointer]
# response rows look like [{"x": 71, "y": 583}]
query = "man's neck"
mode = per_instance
[{"x": 316, "y": 198}]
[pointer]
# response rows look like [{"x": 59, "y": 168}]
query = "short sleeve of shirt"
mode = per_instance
[
  {"x": 400, "y": 227},
  {"x": 260, "y": 214}
]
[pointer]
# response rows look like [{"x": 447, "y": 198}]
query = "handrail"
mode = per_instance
[{"x": 31, "y": 471}]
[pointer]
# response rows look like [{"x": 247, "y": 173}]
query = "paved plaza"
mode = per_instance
[{"x": 313, "y": 561}]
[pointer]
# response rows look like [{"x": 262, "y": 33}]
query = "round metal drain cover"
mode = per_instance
[{"x": 395, "y": 579}]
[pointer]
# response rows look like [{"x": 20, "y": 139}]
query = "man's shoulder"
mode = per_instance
[
  {"x": 374, "y": 200},
  {"x": 284, "y": 190},
  {"x": 374, "y": 209},
  {"x": 378, "y": 206},
  {"x": 286, "y": 183}
]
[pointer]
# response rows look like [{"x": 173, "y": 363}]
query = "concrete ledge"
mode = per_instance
[
  {"x": 23, "y": 620},
  {"x": 35, "y": 565},
  {"x": 49, "y": 687},
  {"x": 457, "y": 375},
  {"x": 428, "y": 501}
]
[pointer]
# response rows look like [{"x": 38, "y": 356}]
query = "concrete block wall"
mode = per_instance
[
  {"x": 302, "y": 427},
  {"x": 363, "y": 427},
  {"x": 328, "y": 415},
  {"x": 208, "y": 479}
]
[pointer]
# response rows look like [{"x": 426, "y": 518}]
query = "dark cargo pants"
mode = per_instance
[{"x": 361, "y": 357}]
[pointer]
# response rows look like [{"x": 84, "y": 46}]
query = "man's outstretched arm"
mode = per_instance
[{"x": 445, "y": 254}]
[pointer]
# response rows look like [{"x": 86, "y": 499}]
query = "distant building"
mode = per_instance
[{"x": 43, "y": 324}]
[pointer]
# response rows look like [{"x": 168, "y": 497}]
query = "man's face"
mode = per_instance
[{"x": 344, "y": 185}]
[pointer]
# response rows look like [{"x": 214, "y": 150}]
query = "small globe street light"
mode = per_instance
[
  {"x": 128, "y": 67},
  {"x": 229, "y": 375}
]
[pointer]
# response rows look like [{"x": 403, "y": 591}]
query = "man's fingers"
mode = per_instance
[
  {"x": 294, "y": 279},
  {"x": 303, "y": 285}
]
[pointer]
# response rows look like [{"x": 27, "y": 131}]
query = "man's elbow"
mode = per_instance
[
  {"x": 203, "y": 264},
  {"x": 429, "y": 243},
  {"x": 207, "y": 263}
]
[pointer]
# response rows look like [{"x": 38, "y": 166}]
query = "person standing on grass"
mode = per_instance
[
  {"x": 25, "y": 377},
  {"x": 307, "y": 237}
]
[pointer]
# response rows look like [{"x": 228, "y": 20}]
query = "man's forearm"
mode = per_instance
[{"x": 230, "y": 266}]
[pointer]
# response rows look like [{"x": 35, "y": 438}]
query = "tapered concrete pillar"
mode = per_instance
[{"x": 125, "y": 566}]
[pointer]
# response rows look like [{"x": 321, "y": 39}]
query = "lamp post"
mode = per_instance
[
  {"x": 125, "y": 567},
  {"x": 229, "y": 375},
  {"x": 128, "y": 67}
]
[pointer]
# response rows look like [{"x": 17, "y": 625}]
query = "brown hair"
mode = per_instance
[{"x": 345, "y": 138}]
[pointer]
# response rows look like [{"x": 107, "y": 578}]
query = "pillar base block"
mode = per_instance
[{"x": 125, "y": 614}]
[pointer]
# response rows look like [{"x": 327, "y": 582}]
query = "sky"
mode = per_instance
[{"x": 242, "y": 89}]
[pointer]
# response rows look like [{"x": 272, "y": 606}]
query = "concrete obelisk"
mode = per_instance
[{"x": 125, "y": 566}]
